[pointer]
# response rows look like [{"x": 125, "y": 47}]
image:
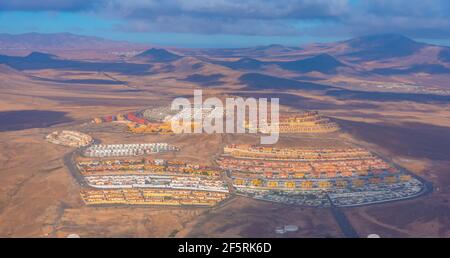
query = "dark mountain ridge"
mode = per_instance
[
  {"x": 384, "y": 46},
  {"x": 39, "y": 61},
  {"x": 59, "y": 41},
  {"x": 157, "y": 55},
  {"x": 323, "y": 63}
]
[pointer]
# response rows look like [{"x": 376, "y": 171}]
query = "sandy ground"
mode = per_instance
[{"x": 40, "y": 198}]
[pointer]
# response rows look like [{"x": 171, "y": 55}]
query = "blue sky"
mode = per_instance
[{"x": 229, "y": 23}]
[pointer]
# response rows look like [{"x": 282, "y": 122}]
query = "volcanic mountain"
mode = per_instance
[
  {"x": 323, "y": 63},
  {"x": 244, "y": 63},
  {"x": 387, "y": 55},
  {"x": 39, "y": 61},
  {"x": 372, "y": 48},
  {"x": 271, "y": 50},
  {"x": 257, "y": 81},
  {"x": 157, "y": 55},
  {"x": 383, "y": 46},
  {"x": 444, "y": 55},
  {"x": 246, "y": 52},
  {"x": 59, "y": 41}
]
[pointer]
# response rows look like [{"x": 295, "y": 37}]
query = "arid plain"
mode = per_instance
[{"x": 39, "y": 195}]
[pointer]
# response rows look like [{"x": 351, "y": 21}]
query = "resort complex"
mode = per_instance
[
  {"x": 136, "y": 123},
  {"x": 120, "y": 150},
  {"x": 144, "y": 166},
  {"x": 345, "y": 177},
  {"x": 158, "y": 121},
  {"x": 304, "y": 122},
  {"x": 307, "y": 122},
  {"x": 145, "y": 181},
  {"x": 326, "y": 173},
  {"x": 157, "y": 181},
  {"x": 152, "y": 197}
]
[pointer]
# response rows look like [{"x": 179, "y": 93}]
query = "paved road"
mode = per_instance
[
  {"x": 69, "y": 162},
  {"x": 342, "y": 220}
]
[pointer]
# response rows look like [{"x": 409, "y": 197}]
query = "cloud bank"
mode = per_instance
[{"x": 417, "y": 18}]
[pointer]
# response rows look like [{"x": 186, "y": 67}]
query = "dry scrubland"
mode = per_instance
[{"x": 40, "y": 198}]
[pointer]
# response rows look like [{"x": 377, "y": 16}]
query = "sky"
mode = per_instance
[{"x": 230, "y": 23}]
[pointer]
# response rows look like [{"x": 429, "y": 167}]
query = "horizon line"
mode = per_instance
[{"x": 149, "y": 44}]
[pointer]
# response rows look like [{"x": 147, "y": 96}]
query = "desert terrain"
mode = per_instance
[{"x": 39, "y": 94}]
